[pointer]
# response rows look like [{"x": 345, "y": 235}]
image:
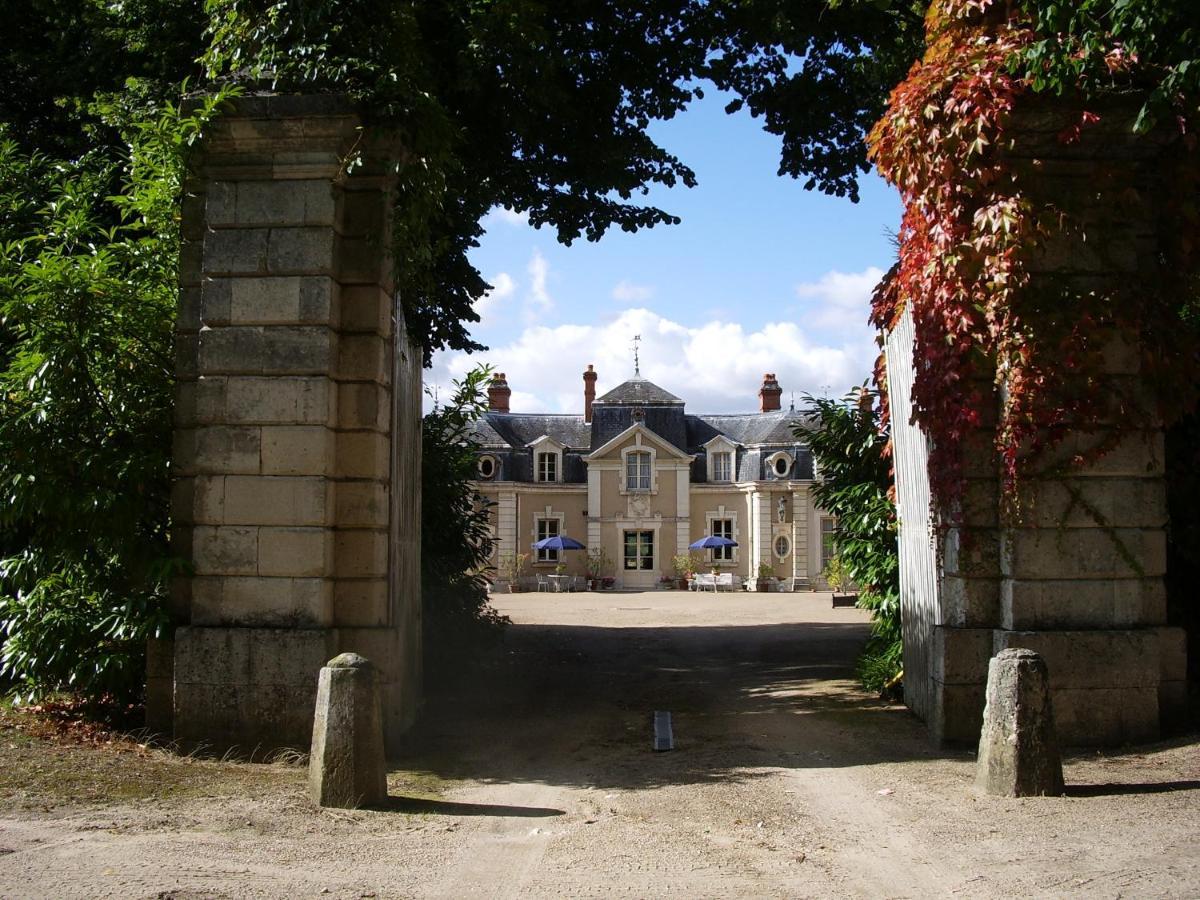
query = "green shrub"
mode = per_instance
[{"x": 855, "y": 485}]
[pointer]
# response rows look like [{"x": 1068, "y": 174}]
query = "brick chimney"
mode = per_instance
[
  {"x": 769, "y": 393},
  {"x": 498, "y": 393},
  {"x": 589, "y": 392}
]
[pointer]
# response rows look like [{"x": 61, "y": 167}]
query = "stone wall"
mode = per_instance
[
  {"x": 1078, "y": 576},
  {"x": 297, "y": 447}
]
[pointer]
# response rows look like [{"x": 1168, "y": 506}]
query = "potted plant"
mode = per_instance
[
  {"x": 510, "y": 567},
  {"x": 608, "y": 582},
  {"x": 839, "y": 582},
  {"x": 597, "y": 564},
  {"x": 560, "y": 569},
  {"x": 685, "y": 567},
  {"x": 666, "y": 583},
  {"x": 766, "y": 577}
]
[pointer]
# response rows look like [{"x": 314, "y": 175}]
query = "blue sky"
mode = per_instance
[{"x": 761, "y": 276}]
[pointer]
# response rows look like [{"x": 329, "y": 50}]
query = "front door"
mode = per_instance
[{"x": 638, "y": 568}]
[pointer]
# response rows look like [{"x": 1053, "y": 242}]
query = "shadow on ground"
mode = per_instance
[{"x": 572, "y": 705}]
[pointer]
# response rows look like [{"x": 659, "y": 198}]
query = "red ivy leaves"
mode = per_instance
[{"x": 963, "y": 226}]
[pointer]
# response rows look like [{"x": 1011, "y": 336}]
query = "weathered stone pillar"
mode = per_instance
[
  {"x": 296, "y": 459},
  {"x": 1078, "y": 575},
  {"x": 346, "y": 766},
  {"x": 1018, "y": 749}
]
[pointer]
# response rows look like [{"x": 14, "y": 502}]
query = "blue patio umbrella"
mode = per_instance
[
  {"x": 710, "y": 542},
  {"x": 558, "y": 542}
]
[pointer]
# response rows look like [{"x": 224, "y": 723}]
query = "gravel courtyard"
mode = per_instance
[{"x": 533, "y": 775}]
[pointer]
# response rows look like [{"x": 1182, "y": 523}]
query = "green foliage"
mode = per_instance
[
  {"x": 818, "y": 72},
  {"x": 855, "y": 485},
  {"x": 456, "y": 542},
  {"x": 86, "y": 313},
  {"x": 1095, "y": 46},
  {"x": 599, "y": 563}
]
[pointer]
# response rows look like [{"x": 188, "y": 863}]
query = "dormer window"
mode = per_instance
[
  {"x": 547, "y": 459},
  {"x": 722, "y": 459},
  {"x": 487, "y": 467},
  {"x": 780, "y": 464},
  {"x": 547, "y": 466},
  {"x": 722, "y": 466}
]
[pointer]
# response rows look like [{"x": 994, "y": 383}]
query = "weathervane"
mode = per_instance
[{"x": 637, "y": 364}]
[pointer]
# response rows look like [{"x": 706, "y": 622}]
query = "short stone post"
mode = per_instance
[
  {"x": 1018, "y": 749},
  {"x": 346, "y": 767}
]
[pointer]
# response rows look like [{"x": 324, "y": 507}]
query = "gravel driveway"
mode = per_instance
[{"x": 534, "y": 776}]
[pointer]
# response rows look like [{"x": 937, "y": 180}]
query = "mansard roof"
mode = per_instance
[
  {"x": 638, "y": 390},
  {"x": 747, "y": 428},
  {"x": 521, "y": 429}
]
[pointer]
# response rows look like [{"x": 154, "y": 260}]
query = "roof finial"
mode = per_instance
[
  {"x": 792, "y": 402},
  {"x": 637, "y": 364}
]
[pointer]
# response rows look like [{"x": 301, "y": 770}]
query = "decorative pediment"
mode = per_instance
[
  {"x": 721, "y": 444},
  {"x": 639, "y": 434},
  {"x": 546, "y": 443}
]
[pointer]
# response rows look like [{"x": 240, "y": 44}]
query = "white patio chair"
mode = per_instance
[{"x": 543, "y": 583}]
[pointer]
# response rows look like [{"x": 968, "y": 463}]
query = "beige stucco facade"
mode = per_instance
[{"x": 642, "y": 529}]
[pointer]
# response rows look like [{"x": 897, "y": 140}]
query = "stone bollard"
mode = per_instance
[
  {"x": 346, "y": 767},
  {"x": 1018, "y": 749}
]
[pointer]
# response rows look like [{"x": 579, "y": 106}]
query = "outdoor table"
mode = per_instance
[{"x": 559, "y": 582}]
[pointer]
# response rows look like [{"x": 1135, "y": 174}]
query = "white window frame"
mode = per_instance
[
  {"x": 729, "y": 555},
  {"x": 495, "y": 463},
  {"x": 546, "y": 557},
  {"x": 652, "y": 461},
  {"x": 824, "y": 559},
  {"x": 543, "y": 460},
  {"x": 721, "y": 554},
  {"x": 722, "y": 458},
  {"x": 541, "y": 447},
  {"x": 787, "y": 542},
  {"x": 774, "y": 459},
  {"x": 720, "y": 444},
  {"x": 653, "y": 558}
]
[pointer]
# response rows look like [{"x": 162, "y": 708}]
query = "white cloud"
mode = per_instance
[
  {"x": 500, "y": 215},
  {"x": 628, "y": 292},
  {"x": 838, "y": 301},
  {"x": 538, "y": 301},
  {"x": 715, "y": 367},
  {"x": 503, "y": 286}
]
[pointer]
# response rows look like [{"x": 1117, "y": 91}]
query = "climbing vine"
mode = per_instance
[{"x": 978, "y": 221}]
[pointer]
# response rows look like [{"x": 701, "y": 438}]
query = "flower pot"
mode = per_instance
[{"x": 844, "y": 599}]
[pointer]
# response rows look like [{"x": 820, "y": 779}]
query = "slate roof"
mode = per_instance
[
  {"x": 758, "y": 434},
  {"x": 637, "y": 390},
  {"x": 519, "y": 429},
  {"x": 746, "y": 428}
]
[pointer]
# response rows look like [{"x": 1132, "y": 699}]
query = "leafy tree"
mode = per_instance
[
  {"x": 456, "y": 542},
  {"x": 87, "y": 311},
  {"x": 855, "y": 485}
]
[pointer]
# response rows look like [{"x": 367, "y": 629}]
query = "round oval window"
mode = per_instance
[
  {"x": 487, "y": 467},
  {"x": 782, "y": 464},
  {"x": 782, "y": 546}
]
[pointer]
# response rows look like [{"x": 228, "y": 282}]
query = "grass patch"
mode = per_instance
[{"x": 51, "y": 758}]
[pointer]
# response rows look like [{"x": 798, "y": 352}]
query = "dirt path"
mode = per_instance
[{"x": 534, "y": 777}]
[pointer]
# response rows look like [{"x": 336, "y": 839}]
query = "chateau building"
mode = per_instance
[{"x": 640, "y": 478}]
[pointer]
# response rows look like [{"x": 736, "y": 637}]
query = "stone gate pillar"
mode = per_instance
[
  {"x": 1078, "y": 577},
  {"x": 296, "y": 461}
]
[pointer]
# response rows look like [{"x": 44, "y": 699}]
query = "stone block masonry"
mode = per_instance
[
  {"x": 1077, "y": 577},
  {"x": 296, "y": 455}
]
